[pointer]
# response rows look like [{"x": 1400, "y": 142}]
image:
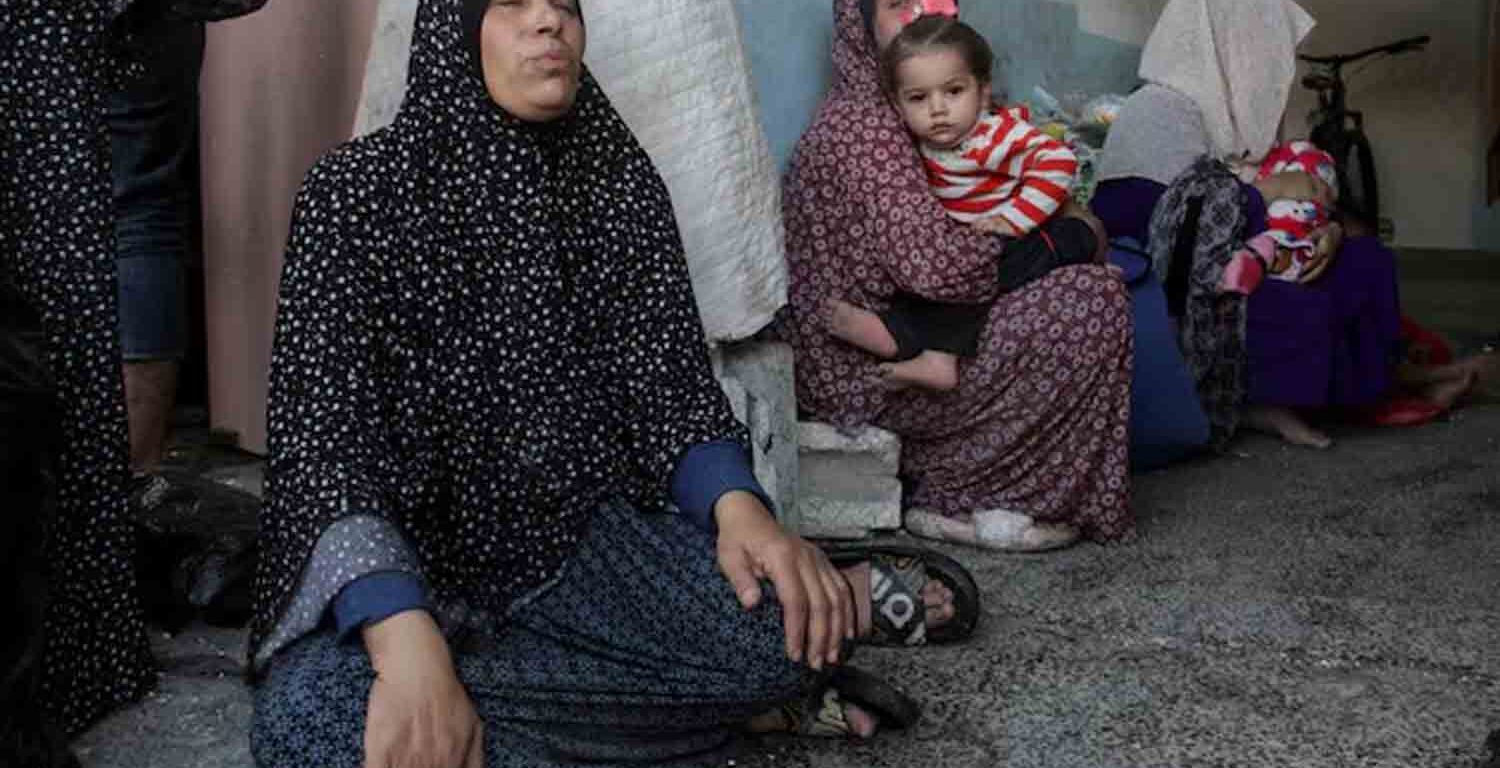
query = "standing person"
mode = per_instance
[
  {"x": 153, "y": 128},
  {"x": 488, "y": 379},
  {"x": 56, "y": 246},
  {"x": 1028, "y": 452}
]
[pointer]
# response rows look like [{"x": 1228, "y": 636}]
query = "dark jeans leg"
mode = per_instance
[
  {"x": 153, "y": 128},
  {"x": 1058, "y": 242},
  {"x": 919, "y": 324}
]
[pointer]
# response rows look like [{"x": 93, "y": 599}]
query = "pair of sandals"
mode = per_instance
[{"x": 898, "y": 574}]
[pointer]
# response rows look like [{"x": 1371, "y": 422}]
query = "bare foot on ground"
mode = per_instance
[
  {"x": 1286, "y": 424},
  {"x": 1446, "y": 394}
]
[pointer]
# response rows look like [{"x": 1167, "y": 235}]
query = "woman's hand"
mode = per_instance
[
  {"x": 419, "y": 714},
  {"x": 995, "y": 225},
  {"x": 1072, "y": 209},
  {"x": 1329, "y": 238},
  {"x": 815, "y": 598}
]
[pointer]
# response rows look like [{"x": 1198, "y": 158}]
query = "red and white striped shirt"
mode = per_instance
[{"x": 1006, "y": 168}]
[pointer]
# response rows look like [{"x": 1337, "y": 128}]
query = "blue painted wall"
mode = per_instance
[
  {"x": 788, "y": 46},
  {"x": 1038, "y": 42}
]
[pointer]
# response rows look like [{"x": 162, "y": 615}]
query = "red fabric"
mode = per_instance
[
  {"x": 1401, "y": 412},
  {"x": 1423, "y": 347},
  {"x": 930, "y": 8},
  {"x": 1300, "y": 157},
  {"x": 1039, "y": 422}
]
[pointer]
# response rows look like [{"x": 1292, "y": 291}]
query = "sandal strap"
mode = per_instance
[{"x": 896, "y": 606}]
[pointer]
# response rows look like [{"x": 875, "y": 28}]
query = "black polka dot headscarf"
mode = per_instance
[{"x": 485, "y": 328}]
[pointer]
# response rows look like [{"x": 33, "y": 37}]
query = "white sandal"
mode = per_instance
[{"x": 995, "y": 529}]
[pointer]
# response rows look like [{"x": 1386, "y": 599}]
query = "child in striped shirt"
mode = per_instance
[{"x": 989, "y": 168}]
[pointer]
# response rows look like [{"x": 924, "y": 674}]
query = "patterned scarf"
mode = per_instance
[{"x": 1197, "y": 227}]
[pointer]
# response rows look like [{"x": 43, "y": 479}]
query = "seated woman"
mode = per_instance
[
  {"x": 1029, "y": 451},
  {"x": 1329, "y": 342},
  {"x": 489, "y": 378}
]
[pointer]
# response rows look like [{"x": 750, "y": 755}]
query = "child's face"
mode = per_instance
[{"x": 939, "y": 97}]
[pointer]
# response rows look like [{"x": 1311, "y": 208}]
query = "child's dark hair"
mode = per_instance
[{"x": 929, "y": 32}]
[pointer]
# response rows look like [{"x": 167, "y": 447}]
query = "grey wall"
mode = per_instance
[{"x": 1422, "y": 110}]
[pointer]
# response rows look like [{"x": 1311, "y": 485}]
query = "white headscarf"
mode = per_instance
[{"x": 1236, "y": 59}]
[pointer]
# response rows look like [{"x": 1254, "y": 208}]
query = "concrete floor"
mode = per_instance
[{"x": 1281, "y": 607}]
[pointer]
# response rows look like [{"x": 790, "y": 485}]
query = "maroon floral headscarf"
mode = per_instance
[{"x": 862, "y": 225}]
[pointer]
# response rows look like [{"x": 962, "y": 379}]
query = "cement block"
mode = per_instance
[
  {"x": 881, "y": 450},
  {"x": 757, "y": 378},
  {"x": 847, "y": 480},
  {"x": 842, "y": 464},
  {"x": 832, "y": 517}
]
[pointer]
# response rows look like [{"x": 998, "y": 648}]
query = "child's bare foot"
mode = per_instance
[
  {"x": 929, "y": 370},
  {"x": 1286, "y": 424},
  {"x": 860, "y": 327}
]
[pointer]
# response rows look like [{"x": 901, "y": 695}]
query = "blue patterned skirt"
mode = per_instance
[{"x": 639, "y": 653}]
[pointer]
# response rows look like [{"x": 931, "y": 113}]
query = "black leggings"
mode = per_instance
[{"x": 920, "y": 324}]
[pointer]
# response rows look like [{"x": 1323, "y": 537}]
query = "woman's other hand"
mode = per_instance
[
  {"x": 815, "y": 598},
  {"x": 1073, "y": 209},
  {"x": 995, "y": 225},
  {"x": 419, "y": 714},
  {"x": 1329, "y": 238}
]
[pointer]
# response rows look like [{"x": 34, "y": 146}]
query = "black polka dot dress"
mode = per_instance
[
  {"x": 56, "y": 244},
  {"x": 486, "y": 331}
]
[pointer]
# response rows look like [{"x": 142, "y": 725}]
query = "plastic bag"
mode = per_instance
[{"x": 1081, "y": 122}]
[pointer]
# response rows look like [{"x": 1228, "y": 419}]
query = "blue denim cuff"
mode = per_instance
[
  {"x": 376, "y": 597},
  {"x": 707, "y": 472}
]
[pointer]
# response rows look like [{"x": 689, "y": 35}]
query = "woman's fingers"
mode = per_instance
[
  {"x": 818, "y": 616},
  {"x": 743, "y": 575},
  {"x": 782, "y": 568},
  {"x": 475, "y": 757},
  {"x": 846, "y": 598},
  {"x": 840, "y": 603}
]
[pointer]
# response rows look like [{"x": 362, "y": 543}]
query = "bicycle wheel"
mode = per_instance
[{"x": 1358, "y": 191}]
